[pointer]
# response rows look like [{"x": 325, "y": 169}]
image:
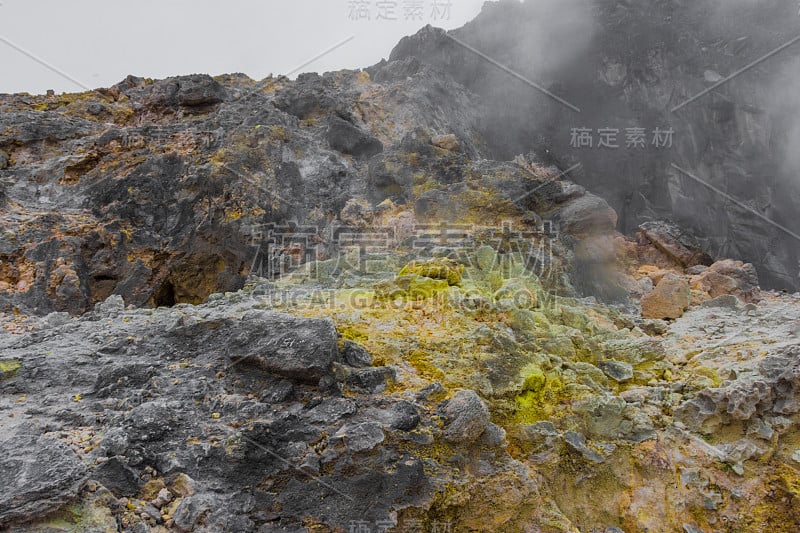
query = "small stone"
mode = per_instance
[
  {"x": 152, "y": 489},
  {"x": 796, "y": 456},
  {"x": 546, "y": 428},
  {"x": 371, "y": 379},
  {"x": 421, "y": 438},
  {"x": 311, "y": 465},
  {"x": 118, "y": 477},
  {"x": 183, "y": 486},
  {"x": 431, "y": 391},
  {"x": 355, "y": 355},
  {"x": 577, "y": 442},
  {"x": 617, "y": 370},
  {"x": 111, "y": 306},
  {"x": 331, "y": 410},
  {"x": 655, "y": 328},
  {"x": 361, "y": 437},
  {"x": 468, "y": 417},
  {"x": 403, "y": 416},
  {"x": 493, "y": 436},
  {"x": 152, "y": 512},
  {"x": 163, "y": 498},
  {"x": 446, "y": 142},
  {"x": 190, "y": 511},
  {"x": 357, "y": 213},
  {"x": 727, "y": 301}
]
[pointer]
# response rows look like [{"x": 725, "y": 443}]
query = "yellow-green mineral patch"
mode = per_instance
[
  {"x": 439, "y": 268},
  {"x": 410, "y": 286},
  {"x": 9, "y": 367}
]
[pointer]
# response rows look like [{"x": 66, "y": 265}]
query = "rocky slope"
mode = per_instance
[
  {"x": 320, "y": 305},
  {"x": 444, "y": 394},
  {"x": 148, "y": 189}
]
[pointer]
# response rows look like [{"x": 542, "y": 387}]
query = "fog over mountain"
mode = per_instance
[{"x": 629, "y": 65}]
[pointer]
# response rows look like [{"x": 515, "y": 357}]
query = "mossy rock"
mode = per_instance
[
  {"x": 412, "y": 286},
  {"x": 635, "y": 352},
  {"x": 522, "y": 321},
  {"x": 704, "y": 377},
  {"x": 486, "y": 258},
  {"x": 512, "y": 265},
  {"x": 611, "y": 417},
  {"x": 534, "y": 380},
  {"x": 543, "y": 396},
  {"x": 574, "y": 317},
  {"x": 522, "y": 292},
  {"x": 327, "y": 270},
  {"x": 541, "y": 321},
  {"x": 590, "y": 375},
  {"x": 494, "y": 280},
  {"x": 440, "y": 268},
  {"x": 560, "y": 345},
  {"x": 9, "y": 368}
]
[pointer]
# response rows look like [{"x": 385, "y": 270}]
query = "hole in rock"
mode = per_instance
[{"x": 165, "y": 297}]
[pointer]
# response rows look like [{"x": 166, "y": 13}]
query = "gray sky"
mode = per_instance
[{"x": 99, "y": 42}]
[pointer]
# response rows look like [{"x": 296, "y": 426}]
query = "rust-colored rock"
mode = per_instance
[
  {"x": 446, "y": 142},
  {"x": 670, "y": 299},
  {"x": 728, "y": 277},
  {"x": 654, "y": 273},
  {"x": 681, "y": 247}
]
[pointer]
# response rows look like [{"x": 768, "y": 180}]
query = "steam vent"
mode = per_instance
[{"x": 535, "y": 272}]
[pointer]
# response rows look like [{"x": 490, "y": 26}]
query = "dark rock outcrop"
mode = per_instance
[
  {"x": 226, "y": 415},
  {"x": 183, "y": 187},
  {"x": 349, "y": 139},
  {"x": 40, "y": 474},
  {"x": 682, "y": 248}
]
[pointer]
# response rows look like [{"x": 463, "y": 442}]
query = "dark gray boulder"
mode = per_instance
[
  {"x": 678, "y": 244},
  {"x": 194, "y": 91},
  {"x": 355, "y": 355},
  {"x": 199, "y": 90},
  {"x": 349, "y": 139},
  {"x": 294, "y": 348},
  {"x": 118, "y": 477},
  {"x": 39, "y": 473},
  {"x": 467, "y": 417},
  {"x": 617, "y": 370}
]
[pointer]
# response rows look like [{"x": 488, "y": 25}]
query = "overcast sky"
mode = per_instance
[{"x": 97, "y": 43}]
